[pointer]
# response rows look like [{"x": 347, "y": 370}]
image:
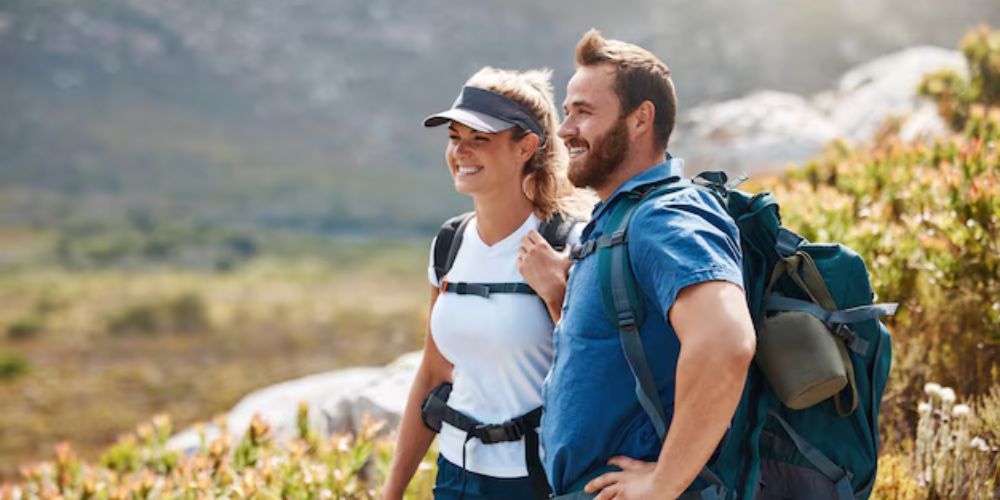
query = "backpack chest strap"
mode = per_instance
[
  {"x": 584, "y": 250},
  {"x": 484, "y": 290}
]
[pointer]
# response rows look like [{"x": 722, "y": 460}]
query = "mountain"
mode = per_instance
[{"x": 304, "y": 114}]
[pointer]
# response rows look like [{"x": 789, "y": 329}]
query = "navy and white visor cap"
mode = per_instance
[{"x": 486, "y": 111}]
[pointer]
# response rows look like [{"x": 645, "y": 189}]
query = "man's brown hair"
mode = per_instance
[{"x": 639, "y": 76}]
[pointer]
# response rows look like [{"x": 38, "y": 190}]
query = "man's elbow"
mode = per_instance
[
  {"x": 742, "y": 351},
  {"x": 729, "y": 352}
]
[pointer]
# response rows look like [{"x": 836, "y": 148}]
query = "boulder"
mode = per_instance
[
  {"x": 886, "y": 87},
  {"x": 767, "y": 131},
  {"x": 764, "y": 131},
  {"x": 337, "y": 402}
]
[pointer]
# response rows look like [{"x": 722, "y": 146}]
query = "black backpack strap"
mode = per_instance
[
  {"x": 449, "y": 240},
  {"x": 435, "y": 411},
  {"x": 484, "y": 290},
  {"x": 556, "y": 230}
]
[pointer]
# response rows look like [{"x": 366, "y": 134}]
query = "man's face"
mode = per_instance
[{"x": 594, "y": 130}]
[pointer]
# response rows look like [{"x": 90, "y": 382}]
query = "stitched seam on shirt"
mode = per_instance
[{"x": 713, "y": 273}]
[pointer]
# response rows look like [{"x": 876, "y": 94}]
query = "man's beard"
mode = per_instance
[{"x": 605, "y": 154}]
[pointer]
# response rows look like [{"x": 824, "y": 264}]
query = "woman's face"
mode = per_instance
[{"x": 482, "y": 163}]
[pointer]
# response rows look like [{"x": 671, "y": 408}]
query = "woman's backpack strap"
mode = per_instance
[
  {"x": 556, "y": 230},
  {"x": 447, "y": 243}
]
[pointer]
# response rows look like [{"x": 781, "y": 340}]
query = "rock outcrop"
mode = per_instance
[
  {"x": 337, "y": 402},
  {"x": 766, "y": 131}
]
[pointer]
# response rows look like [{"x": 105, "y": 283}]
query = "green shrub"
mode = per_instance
[
  {"x": 184, "y": 313},
  {"x": 955, "y": 95},
  {"x": 134, "y": 319},
  {"x": 187, "y": 313},
  {"x": 25, "y": 327},
  {"x": 926, "y": 219},
  {"x": 139, "y": 466},
  {"x": 142, "y": 239},
  {"x": 13, "y": 365}
]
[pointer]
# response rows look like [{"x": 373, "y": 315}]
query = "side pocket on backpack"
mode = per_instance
[
  {"x": 784, "y": 481},
  {"x": 801, "y": 359}
]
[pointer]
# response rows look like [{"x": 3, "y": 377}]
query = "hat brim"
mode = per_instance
[{"x": 472, "y": 119}]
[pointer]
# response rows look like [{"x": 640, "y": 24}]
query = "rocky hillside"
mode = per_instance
[
  {"x": 289, "y": 114},
  {"x": 768, "y": 130}
]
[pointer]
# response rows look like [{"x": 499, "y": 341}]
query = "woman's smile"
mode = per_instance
[{"x": 466, "y": 170}]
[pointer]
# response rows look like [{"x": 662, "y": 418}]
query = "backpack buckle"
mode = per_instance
[
  {"x": 734, "y": 183},
  {"x": 851, "y": 338},
  {"x": 617, "y": 237},
  {"x": 843, "y": 332},
  {"x": 626, "y": 320},
  {"x": 498, "y": 433}
]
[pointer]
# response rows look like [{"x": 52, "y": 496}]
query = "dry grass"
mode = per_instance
[{"x": 271, "y": 320}]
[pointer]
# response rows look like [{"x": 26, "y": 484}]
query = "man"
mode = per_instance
[{"x": 685, "y": 255}]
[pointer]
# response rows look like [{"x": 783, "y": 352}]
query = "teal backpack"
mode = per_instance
[{"x": 818, "y": 442}]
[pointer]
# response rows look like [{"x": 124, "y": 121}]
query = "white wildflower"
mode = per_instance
[
  {"x": 960, "y": 410},
  {"x": 979, "y": 443},
  {"x": 948, "y": 395},
  {"x": 924, "y": 408},
  {"x": 924, "y": 478},
  {"x": 932, "y": 389}
]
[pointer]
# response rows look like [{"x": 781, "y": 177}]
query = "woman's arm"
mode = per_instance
[
  {"x": 545, "y": 270},
  {"x": 414, "y": 438}
]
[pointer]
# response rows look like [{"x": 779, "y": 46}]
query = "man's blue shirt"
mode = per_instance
[{"x": 591, "y": 411}]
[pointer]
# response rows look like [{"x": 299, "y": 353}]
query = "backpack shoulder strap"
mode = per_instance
[
  {"x": 624, "y": 308},
  {"x": 556, "y": 230},
  {"x": 622, "y": 300},
  {"x": 449, "y": 240}
]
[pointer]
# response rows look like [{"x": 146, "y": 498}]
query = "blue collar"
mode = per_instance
[{"x": 673, "y": 167}]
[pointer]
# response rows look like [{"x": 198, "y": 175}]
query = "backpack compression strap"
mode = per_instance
[
  {"x": 624, "y": 307},
  {"x": 823, "y": 307},
  {"x": 837, "y": 475}
]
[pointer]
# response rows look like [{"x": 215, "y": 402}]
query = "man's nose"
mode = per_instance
[{"x": 566, "y": 129}]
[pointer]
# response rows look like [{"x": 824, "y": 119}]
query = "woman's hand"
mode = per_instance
[{"x": 545, "y": 270}]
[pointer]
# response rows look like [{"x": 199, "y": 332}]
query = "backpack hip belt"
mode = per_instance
[{"x": 435, "y": 411}]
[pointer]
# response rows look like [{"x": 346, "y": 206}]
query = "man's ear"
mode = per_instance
[
  {"x": 642, "y": 118},
  {"x": 527, "y": 146}
]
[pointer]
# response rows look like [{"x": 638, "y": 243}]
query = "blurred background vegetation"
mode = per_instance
[{"x": 200, "y": 200}]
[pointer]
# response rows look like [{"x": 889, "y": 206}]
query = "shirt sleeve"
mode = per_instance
[
  {"x": 431, "y": 275},
  {"x": 681, "y": 240}
]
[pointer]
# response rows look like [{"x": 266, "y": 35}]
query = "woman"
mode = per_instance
[{"x": 490, "y": 335}]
